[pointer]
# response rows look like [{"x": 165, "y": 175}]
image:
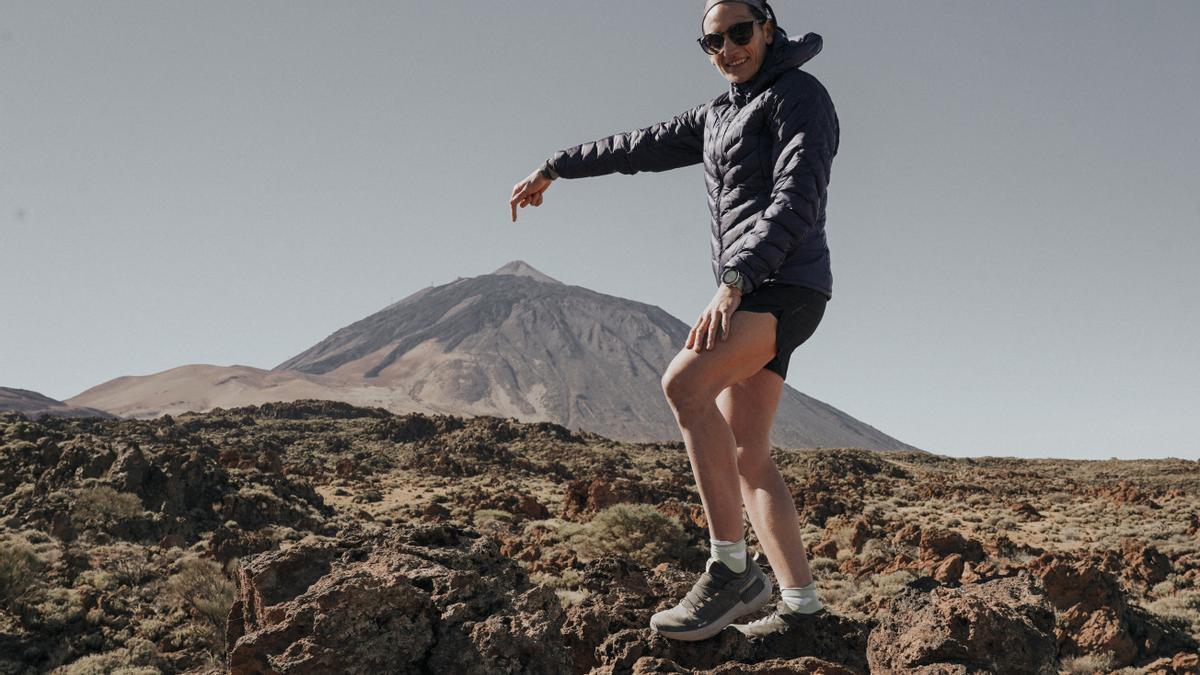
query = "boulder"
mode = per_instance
[
  {"x": 1001, "y": 626},
  {"x": 433, "y": 598}
]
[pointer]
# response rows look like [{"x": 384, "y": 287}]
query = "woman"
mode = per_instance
[{"x": 767, "y": 146}]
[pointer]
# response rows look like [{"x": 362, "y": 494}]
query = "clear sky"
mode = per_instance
[{"x": 1013, "y": 219}]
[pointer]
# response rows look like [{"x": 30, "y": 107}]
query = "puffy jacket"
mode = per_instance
[{"x": 767, "y": 146}]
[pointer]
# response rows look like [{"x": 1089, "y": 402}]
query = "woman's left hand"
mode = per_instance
[{"x": 715, "y": 318}]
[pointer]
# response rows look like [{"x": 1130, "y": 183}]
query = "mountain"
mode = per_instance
[
  {"x": 513, "y": 343},
  {"x": 33, "y": 404}
]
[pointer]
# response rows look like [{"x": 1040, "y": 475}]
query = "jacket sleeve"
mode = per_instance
[
  {"x": 667, "y": 145},
  {"x": 805, "y": 128}
]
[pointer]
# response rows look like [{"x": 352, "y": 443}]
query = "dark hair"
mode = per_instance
[{"x": 757, "y": 14}]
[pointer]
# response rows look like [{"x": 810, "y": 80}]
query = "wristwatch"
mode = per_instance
[
  {"x": 548, "y": 171},
  {"x": 732, "y": 277}
]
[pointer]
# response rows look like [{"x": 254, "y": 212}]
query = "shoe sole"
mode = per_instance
[{"x": 742, "y": 608}]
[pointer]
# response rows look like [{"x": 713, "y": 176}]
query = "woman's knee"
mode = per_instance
[
  {"x": 754, "y": 463},
  {"x": 684, "y": 391}
]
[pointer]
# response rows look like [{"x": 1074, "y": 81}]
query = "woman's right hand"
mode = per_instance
[{"x": 528, "y": 191}]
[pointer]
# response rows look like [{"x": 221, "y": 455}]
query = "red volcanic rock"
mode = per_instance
[
  {"x": 431, "y": 598},
  {"x": 1026, "y": 511},
  {"x": 826, "y": 549},
  {"x": 854, "y": 531},
  {"x": 435, "y": 512},
  {"x": 691, "y": 515},
  {"x": 910, "y": 535},
  {"x": 938, "y": 543},
  {"x": 950, "y": 569},
  {"x": 522, "y": 506},
  {"x": 860, "y": 532},
  {"x": 1091, "y": 603},
  {"x": 347, "y": 467},
  {"x": 805, "y": 664},
  {"x": 1125, "y": 492},
  {"x": 987, "y": 570},
  {"x": 585, "y": 497},
  {"x": 816, "y": 503},
  {"x": 1094, "y": 615},
  {"x": 1002, "y": 626},
  {"x": 900, "y": 562},
  {"x": 1144, "y": 562},
  {"x": 1183, "y": 663},
  {"x": 609, "y": 631}
]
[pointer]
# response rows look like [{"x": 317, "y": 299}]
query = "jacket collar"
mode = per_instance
[{"x": 783, "y": 54}]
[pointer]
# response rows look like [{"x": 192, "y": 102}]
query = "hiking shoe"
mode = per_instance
[
  {"x": 783, "y": 619},
  {"x": 719, "y": 597}
]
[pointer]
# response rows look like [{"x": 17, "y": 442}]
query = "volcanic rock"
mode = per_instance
[{"x": 1001, "y": 626}]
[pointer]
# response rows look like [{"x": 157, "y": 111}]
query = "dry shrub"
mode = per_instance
[
  {"x": 1088, "y": 664},
  {"x": 635, "y": 531},
  {"x": 201, "y": 586},
  {"x": 20, "y": 568},
  {"x": 1181, "y": 609},
  {"x": 103, "y": 508},
  {"x": 493, "y": 521},
  {"x": 137, "y": 657},
  {"x": 129, "y": 563}
]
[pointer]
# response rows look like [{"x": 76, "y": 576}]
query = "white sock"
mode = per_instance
[
  {"x": 732, "y": 553},
  {"x": 802, "y": 599}
]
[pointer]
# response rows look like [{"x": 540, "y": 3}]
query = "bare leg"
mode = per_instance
[
  {"x": 692, "y": 382},
  {"x": 749, "y": 407}
]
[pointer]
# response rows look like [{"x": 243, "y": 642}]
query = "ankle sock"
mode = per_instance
[
  {"x": 802, "y": 599},
  {"x": 732, "y": 553}
]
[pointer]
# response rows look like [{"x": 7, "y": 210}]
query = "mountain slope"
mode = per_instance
[
  {"x": 513, "y": 343},
  {"x": 33, "y": 404}
]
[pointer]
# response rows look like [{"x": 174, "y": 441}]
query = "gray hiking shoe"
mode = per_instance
[
  {"x": 719, "y": 597},
  {"x": 782, "y": 620}
]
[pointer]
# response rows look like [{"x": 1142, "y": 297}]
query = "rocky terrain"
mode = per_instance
[{"x": 316, "y": 537}]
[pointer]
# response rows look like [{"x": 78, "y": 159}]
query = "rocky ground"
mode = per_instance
[{"x": 315, "y": 537}]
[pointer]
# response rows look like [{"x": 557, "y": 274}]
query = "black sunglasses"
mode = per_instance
[{"x": 740, "y": 33}]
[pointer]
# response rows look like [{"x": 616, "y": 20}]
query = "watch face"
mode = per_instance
[{"x": 730, "y": 276}]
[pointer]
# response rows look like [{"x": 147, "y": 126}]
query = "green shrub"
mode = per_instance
[{"x": 635, "y": 531}]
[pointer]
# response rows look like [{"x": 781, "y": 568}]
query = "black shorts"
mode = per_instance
[{"x": 797, "y": 310}]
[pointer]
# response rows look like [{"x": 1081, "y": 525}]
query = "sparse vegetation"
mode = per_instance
[
  {"x": 201, "y": 585},
  {"x": 103, "y": 508},
  {"x": 19, "y": 570},
  {"x": 91, "y": 582},
  {"x": 635, "y": 531}
]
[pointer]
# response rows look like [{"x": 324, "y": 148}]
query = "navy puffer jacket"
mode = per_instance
[{"x": 767, "y": 146}]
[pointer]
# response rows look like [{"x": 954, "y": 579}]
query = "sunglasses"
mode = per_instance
[{"x": 740, "y": 33}]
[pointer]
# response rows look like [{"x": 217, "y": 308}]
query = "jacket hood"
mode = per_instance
[{"x": 783, "y": 54}]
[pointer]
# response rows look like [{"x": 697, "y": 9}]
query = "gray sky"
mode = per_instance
[{"x": 1014, "y": 214}]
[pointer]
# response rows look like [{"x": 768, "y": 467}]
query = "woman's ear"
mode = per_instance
[{"x": 769, "y": 27}]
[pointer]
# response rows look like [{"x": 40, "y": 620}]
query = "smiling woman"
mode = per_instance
[{"x": 767, "y": 146}]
